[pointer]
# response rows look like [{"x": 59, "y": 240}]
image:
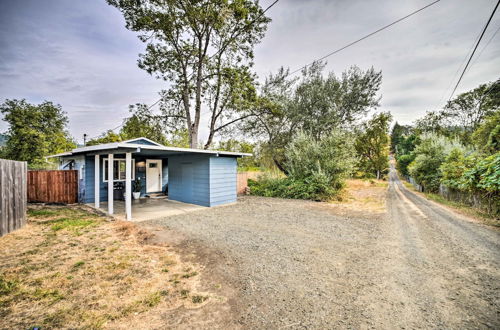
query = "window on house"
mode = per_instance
[{"x": 119, "y": 166}]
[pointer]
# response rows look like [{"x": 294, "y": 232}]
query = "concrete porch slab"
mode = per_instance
[{"x": 150, "y": 208}]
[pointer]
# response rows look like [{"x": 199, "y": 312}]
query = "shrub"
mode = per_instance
[
  {"x": 454, "y": 167},
  {"x": 485, "y": 175},
  {"x": 429, "y": 155},
  {"x": 403, "y": 162},
  {"x": 330, "y": 159},
  {"x": 315, "y": 188},
  {"x": 316, "y": 169}
]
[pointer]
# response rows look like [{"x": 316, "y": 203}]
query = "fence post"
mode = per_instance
[{"x": 12, "y": 195}]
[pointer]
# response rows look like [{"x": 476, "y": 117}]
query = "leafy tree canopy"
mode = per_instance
[
  {"x": 313, "y": 104},
  {"x": 144, "y": 124},
  {"x": 35, "y": 131},
  {"x": 205, "y": 50},
  {"x": 462, "y": 115},
  {"x": 372, "y": 144},
  {"x": 487, "y": 137}
]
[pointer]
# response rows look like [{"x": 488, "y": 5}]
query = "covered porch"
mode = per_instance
[
  {"x": 150, "y": 208},
  {"x": 191, "y": 178}
]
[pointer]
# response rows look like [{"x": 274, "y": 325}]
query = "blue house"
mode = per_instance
[{"x": 202, "y": 177}]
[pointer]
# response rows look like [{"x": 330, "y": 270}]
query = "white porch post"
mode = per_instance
[
  {"x": 97, "y": 182},
  {"x": 128, "y": 185},
  {"x": 110, "y": 183}
]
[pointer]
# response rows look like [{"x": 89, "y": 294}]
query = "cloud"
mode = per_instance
[{"x": 79, "y": 53}]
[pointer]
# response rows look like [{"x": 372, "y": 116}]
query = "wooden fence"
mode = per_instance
[
  {"x": 12, "y": 195},
  {"x": 53, "y": 186},
  {"x": 243, "y": 180}
]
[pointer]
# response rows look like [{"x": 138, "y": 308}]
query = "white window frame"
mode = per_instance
[{"x": 115, "y": 161}]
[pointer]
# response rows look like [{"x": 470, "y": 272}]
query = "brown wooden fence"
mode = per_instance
[
  {"x": 53, "y": 186},
  {"x": 12, "y": 195},
  {"x": 243, "y": 180}
]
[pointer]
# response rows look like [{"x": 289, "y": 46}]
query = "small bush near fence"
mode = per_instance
[{"x": 485, "y": 202}]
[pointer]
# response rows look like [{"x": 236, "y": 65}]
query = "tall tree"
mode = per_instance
[
  {"x": 35, "y": 131},
  {"x": 204, "y": 49},
  {"x": 321, "y": 103},
  {"x": 372, "y": 144},
  {"x": 398, "y": 134},
  {"x": 313, "y": 104},
  {"x": 463, "y": 114}
]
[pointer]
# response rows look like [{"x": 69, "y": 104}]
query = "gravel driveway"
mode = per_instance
[{"x": 295, "y": 264}]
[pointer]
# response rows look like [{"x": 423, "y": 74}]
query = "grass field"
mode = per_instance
[{"x": 72, "y": 268}]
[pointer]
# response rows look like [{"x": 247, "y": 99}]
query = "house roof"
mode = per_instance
[{"x": 146, "y": 144}]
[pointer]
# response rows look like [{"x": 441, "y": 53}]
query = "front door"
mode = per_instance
[{"x": 153, "y": 175}]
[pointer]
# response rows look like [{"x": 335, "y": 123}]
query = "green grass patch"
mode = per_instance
[
  {"x": 73, "y": 224},
  {"x": 78, "y": 265},
  {"x": 7, "y": 287},
  {"x": 188, "y": 275},
  {"x": 184, "y": 293},
  {"x": 53, "y": 295},
  {"x": 152, "y": 300},
  {"x": 53, "y": 212}
]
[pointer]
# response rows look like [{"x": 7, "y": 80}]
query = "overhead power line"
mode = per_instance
[
  {"x": 475, "y": 48},
  {"x": 365, "y": 37},
  {"x": 485, "y": 46}
]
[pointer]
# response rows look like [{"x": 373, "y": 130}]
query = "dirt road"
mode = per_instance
[{"x": 297, "y": 264}]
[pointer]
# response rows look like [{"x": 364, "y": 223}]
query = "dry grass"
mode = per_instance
[
  {"x": 363, "y": 198},
  {"x": 71, "y": 268}
]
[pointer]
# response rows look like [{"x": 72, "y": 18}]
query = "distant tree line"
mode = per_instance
[{"x": 458, "y": 146}]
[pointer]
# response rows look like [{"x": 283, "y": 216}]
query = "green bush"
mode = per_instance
[
  {"x": 403, "y": 162},
  {"x": 429, "y": 155},
  {"x": 315, "y": 188},
  {"x": 317, "y": 169},
  {"x": 484, "y": 176}
]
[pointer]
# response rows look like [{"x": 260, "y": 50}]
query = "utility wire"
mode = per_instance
[
  {"x": 457, "y": 71},
  {"x": 475, "y": 48},
  {"x": 365, "y": 37},
  {"x": 485, "y": 46}
]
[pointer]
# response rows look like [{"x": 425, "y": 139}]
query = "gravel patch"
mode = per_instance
[{"x": 299, "y": 265}]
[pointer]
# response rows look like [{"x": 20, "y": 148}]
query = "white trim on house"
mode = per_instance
[
  {"x": 105, "y": 160},
  {"x": 159, "y": 147},
  {"x": 143, "y": 138}
]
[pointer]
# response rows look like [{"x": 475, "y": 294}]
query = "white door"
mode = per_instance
[{"x": 153, "y": 175}]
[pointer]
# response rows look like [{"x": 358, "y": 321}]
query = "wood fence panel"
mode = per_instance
[
  {"x": 242, "y": 180},
  {"x": 53, "y": 186},
  {"x": 13, "y": 195}
]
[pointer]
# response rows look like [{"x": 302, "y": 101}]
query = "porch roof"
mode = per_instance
[{"x": 147, "y": 149}]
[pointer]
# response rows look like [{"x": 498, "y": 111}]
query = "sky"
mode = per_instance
[{"x": 80, "y": 55}]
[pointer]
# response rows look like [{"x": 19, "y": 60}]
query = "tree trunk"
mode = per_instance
[
  {"x": 193, "y": 137},
  {"x": 279, "y": 166}
]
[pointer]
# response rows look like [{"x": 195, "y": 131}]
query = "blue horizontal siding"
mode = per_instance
[
  {"x": 204, "y": 180},
  {"x": 223, "y": 172},
  {"x": 189, "y": 180}
]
